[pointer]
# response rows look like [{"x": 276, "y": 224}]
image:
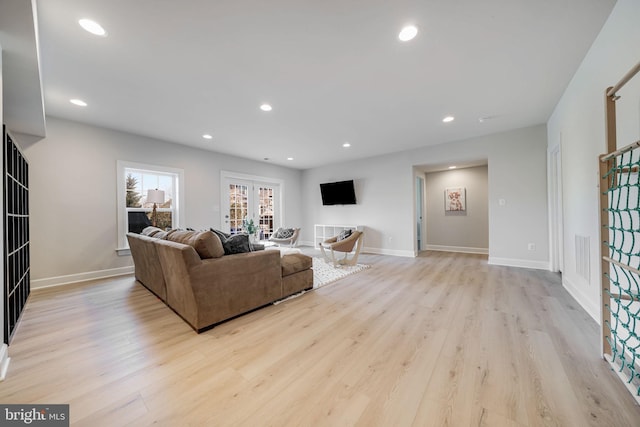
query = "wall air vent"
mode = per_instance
[{"x": 583, "y": 267}]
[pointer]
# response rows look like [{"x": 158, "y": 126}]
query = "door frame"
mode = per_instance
[
  {"x": 556, "y": 233},
  {"x": 225, "y": 176},
  {"x": 420, "y": 234}
]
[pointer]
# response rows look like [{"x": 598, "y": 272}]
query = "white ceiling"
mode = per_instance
[{"x": 333, "y": 70}]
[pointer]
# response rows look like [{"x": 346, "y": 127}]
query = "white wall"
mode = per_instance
[
  {"x": 382, "y": 184},
  {"x": 466, "y": 231},
  {"x": 578, "y": 124},
  {"x": 73, "y": 194},
  {"x": 386, "y": 205}
]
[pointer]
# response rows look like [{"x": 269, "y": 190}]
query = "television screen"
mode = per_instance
[{"x": 338, "y": 193}]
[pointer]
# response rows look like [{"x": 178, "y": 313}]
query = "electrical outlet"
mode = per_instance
[{"x": 531, "y": 246}]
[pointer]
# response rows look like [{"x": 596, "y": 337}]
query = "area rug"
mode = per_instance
[{"x": 325, "y": 273}]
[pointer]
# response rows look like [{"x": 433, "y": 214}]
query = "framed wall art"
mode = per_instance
[{"x": 455, "y": 199}]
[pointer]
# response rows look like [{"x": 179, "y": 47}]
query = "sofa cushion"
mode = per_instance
[
  {"x": 206, "y": 244},
  {"x": 294, "y": 263}
]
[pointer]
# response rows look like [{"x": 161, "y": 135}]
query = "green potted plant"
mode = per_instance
[{"x": 250, "y": 227}]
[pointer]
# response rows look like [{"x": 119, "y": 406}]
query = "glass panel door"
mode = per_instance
[
  {"x": 238, "y": 206},
  {"x": 250, "y": 200},
  {"x": 266, "y": 209}
]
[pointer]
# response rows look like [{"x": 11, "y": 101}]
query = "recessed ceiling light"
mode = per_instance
[
  {"x": 452, "y": 167},
  {"x": 448, "y": 119},
  {"x": 346, "y": 145},
  {"x": 78, "y": 102},
  {"x": 407, "y": 33},
  {"x": 289, "y": 158},
  {"x": 266, "y": 107},
  {"x": 93, "y": 27},
  {"x": 207, "y": 136},
  {"x": 485, "y": 118}
]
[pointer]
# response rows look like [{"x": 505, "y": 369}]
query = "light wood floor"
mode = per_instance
[{"x": 439, "y": 340}]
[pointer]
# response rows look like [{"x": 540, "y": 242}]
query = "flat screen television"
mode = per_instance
[{"x": 338, "y": 193}]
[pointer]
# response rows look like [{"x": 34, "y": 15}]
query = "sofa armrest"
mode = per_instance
[
  {"x": 177, "y": 260},
  {"x": 148, "y": 270}
]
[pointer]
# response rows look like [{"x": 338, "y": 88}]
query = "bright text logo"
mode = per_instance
[{"x": 36, "y": 415}]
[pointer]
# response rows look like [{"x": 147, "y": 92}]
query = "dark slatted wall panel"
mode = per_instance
[{"x": 16, "y": 234}]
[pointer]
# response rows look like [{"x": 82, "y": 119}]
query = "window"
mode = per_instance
[{"x": 134, "y": 211}]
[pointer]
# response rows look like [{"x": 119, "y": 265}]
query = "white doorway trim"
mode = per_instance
[
  {"x": 225, "y": 176},
  {"x": 556, "y": 240},
  {"x": 420, "y": 242}
]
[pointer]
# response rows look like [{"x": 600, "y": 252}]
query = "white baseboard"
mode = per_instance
[
  {"x": 392, "y": 252},
  {"x": 4, "y": 361},
  {"x": 581, "y": 298},
  {"x": 520, "y": 263},
  {"x": 459, "y": 249},
  {"x": 367, "y": 250},
  {"x": 80, "y": 277}
]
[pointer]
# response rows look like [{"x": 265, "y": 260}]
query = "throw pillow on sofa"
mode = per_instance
[
  {"x": 283, "y": 233},
  {"x": 235, "y": 243},
  {"x": 151, "y": 231},
  {"x": 221, "y": 234},
  {"x": 207, "y": 244},
  {"x": 344, "y": 234},
  {"x": 155, "y": 232}
]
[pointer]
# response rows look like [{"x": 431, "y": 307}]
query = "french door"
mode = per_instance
[{"x": 250, "y": 200}]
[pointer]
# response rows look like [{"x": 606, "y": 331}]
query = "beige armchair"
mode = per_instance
[
  {"x": 345, "y": 246},
  {"x": 288, "y": 241}
]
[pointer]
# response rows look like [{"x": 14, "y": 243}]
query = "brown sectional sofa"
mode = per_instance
[{"x": 190, "y": 273}]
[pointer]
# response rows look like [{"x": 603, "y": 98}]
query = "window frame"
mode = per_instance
[{"x": 178, "y": 209}]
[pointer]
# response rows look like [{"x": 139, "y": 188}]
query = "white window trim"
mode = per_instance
[{"x": 123, "y": 245}]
